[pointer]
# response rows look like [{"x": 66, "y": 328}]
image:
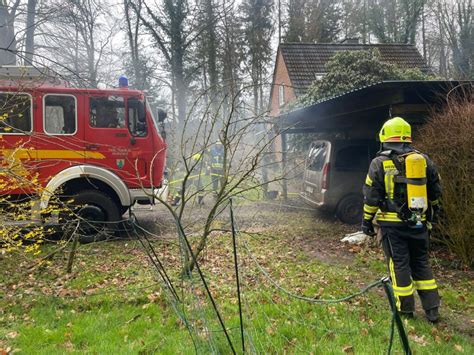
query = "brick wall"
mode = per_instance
[{"x": 280, "y": 77}]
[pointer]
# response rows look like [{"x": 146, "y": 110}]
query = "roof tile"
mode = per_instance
[{"x": 306, "y": 60}]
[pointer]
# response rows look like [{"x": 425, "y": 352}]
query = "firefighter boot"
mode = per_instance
[
  {"x": 432, "y": 315},
  {"x": 406, "y": 315}
]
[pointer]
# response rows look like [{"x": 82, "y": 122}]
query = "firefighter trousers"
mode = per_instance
[
  {"x": 216, "y": 176},
  {"x": 406, "y": 251}
]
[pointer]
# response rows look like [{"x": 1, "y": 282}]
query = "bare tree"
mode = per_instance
[
  {"x": 8, "y": 41},
  {"x": 76, "y": 41},
  {"x": 172, "y": 29},
  {"x": 457, "y": 21},
  {"x": 30, "y": 31},
  {"x": 139, "y": 63},
  {"x": 258, "y": 30},
  {"x": 241, "y": 156},
  {"x": 395, "y": 21}
]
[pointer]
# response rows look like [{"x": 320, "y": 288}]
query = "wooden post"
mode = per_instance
[{"x": 284, "y": 165}]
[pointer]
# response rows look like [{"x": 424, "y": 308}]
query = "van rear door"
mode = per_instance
[{"x": 316, "y": 172}]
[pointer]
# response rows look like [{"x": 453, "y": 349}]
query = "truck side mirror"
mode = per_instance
[{"x": 161, "y": 115}]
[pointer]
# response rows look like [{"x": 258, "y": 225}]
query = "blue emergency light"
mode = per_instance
[{"x": 123, "y": 82}]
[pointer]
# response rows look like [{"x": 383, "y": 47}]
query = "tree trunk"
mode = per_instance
[
  {"x": 423, "y": 31},
  {"x": 30, "y": 32},
  {"x": 443, "y": 67},
  {"x": 211, "y": 51},
  {"x": 7, "y": 34}
]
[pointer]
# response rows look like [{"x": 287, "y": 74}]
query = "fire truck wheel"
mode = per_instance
[{"x": 98, "y": 212}]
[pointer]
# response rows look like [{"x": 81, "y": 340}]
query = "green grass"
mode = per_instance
[{"x": 111, "y": 303}]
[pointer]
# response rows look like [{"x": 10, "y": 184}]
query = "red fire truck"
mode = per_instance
[{"x": 100, "y": 146}]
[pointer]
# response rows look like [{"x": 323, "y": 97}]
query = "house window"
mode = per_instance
[{"x": 281, "y": 94}]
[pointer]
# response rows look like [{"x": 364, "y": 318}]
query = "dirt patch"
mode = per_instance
[{"x": 326, "y": 250}]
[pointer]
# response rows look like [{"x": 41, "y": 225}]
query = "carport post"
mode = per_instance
[{"x": 284, "y": 148}]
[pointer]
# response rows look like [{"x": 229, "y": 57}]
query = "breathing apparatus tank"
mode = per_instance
[{"x": 417, "y": 196}]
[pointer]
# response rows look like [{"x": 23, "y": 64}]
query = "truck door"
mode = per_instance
[
  {"x": 107, "y": 134},
  {"x": 116, "y": 131},
  {"x": 141, "y": 152}
]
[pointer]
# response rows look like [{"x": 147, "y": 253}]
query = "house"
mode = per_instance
[{"x": 299, "y": 64}]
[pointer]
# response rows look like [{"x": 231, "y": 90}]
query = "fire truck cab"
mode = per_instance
[{"x": 102, "y": 147}]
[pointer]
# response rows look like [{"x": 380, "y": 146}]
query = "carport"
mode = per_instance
[{"x": 360, "y": 113}]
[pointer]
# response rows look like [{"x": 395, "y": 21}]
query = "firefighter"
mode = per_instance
[
  {"x": 196, "y": 176},
  {"x": 217, "y": 165},
  {"x": 401, "y": 193}
]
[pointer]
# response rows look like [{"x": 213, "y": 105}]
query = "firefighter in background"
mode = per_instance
[
  {"x": 401, "y": 192},
  {"x": 216, "y": 154},
  {"x": 196, "y": 176}
]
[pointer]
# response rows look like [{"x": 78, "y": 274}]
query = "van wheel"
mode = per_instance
[
  {"x": 350, "y": 209},
  {"x": 96, "y": 213}
]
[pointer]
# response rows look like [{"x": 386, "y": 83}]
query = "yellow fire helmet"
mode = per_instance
[{"x": 395, "y": 130}]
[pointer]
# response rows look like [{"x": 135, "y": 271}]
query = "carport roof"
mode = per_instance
[{"x": 321, "y": 115}]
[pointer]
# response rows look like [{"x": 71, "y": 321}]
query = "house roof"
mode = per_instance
[
  {"x": 306, "y": 60},
  {"x": 345, "y": 111}
]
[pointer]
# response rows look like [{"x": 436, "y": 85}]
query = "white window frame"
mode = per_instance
[
  {"x": 44, "y": 115},
  {"x": 281, "y": 94},
  {"x": 31, "y": 113}
]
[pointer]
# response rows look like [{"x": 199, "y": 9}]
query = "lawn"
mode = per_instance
[{"x": 115, "y": 302}]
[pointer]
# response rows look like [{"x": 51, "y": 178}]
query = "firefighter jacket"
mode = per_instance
[
  {"x": 217, "y": 157},
  {"x": 385, "y": 198}
]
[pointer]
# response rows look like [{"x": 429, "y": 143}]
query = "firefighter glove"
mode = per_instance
[
  {"x": 435, "y": 214},
  {"x": 368, "y": 227}
]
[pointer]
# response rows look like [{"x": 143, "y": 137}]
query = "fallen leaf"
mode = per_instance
[
  {"x": 348, "y": 349},
  {"x": 12, "y": 335},
  {"x": 458, "y": 348},
  {"x": 419, "y": 340}
]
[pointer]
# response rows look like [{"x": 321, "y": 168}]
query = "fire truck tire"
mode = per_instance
[{"x": 101, "y": 211}]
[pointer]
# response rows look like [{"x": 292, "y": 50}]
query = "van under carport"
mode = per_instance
[{"x": 355, "y": 118}]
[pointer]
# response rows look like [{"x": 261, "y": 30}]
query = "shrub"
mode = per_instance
[
  {"x": 447, "y": 139},
  {"x": 349, "y": 70}
]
